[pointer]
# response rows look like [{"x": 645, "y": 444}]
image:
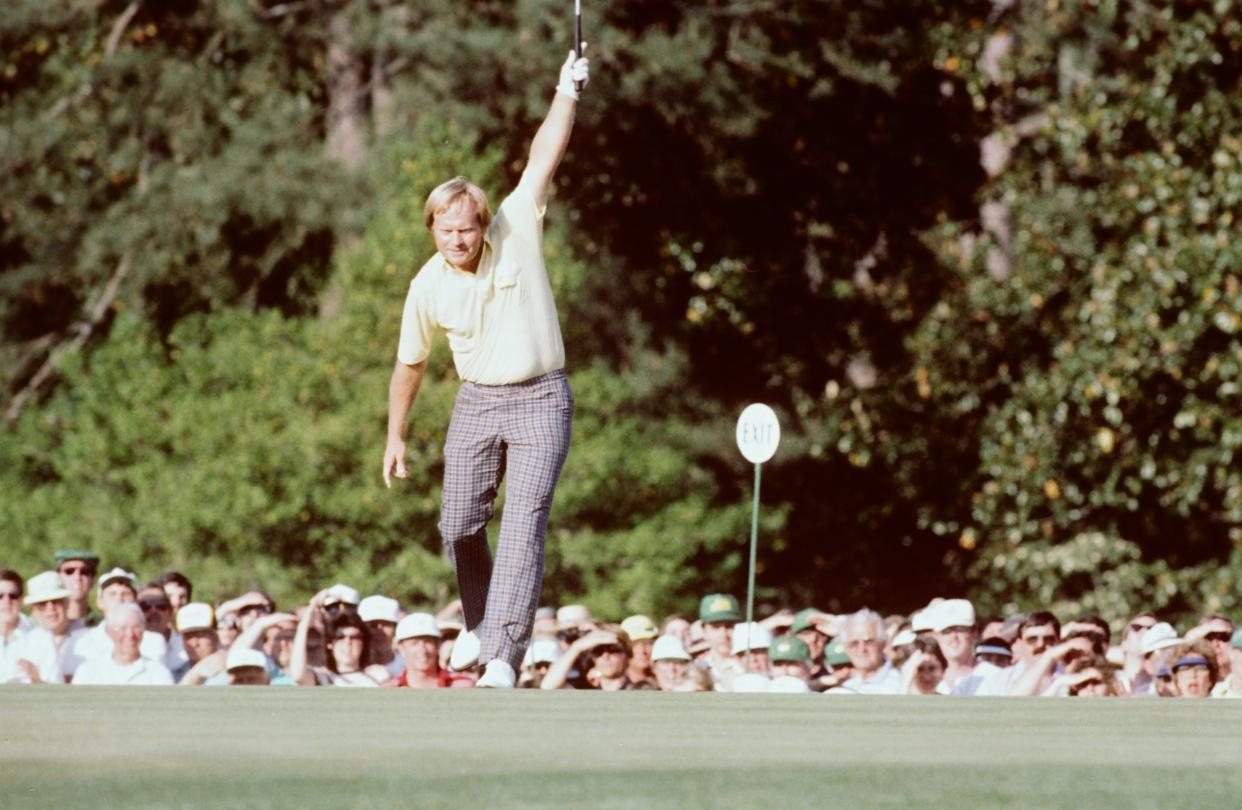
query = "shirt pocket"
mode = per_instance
[
  {"x": 509, "y": 283},
  {"x": 460, "y": 324}
]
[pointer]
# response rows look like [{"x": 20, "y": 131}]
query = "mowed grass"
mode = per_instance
[{"x": 343, "y": 748}]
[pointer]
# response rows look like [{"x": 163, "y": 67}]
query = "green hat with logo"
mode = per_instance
[
  {"x": 719, "y": 607},
  {"x": 789, "y": 649},
  {"x": 64, "y": 555},
  {"x": 802, "y": 621},
  {"x": 834, "y": 653}
]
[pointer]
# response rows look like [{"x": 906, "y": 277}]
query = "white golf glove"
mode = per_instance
[{"x": 574, "y": 70}]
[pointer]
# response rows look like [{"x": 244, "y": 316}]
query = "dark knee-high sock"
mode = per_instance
[{"x": 472, "y": 560}]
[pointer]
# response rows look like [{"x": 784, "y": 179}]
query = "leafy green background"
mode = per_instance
[{"x": 983, "y": 258}]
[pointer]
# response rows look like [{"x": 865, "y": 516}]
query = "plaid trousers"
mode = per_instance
[{"x": 520, "y": 433}]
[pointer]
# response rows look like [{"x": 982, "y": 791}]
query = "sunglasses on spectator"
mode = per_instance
[
  {"x": 78, "y": 570},
  {"x": 1219, "y": 636},
  {"x": 609, "y": 649},
  {"x": 14, "y": 595},
  {"x": 1141, "y": 626},
  {"x": 347, "y": 635},
  {"x": 154, "y": 604},
  {"x": 262, "y": 610}
]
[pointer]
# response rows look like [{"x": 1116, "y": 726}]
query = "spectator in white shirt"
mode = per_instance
[
  {"x": 864, "y": 639},
  {"x": 48, "y": 600},
  {"x": 124, "y": 625},
  {"x": 117, "y": 587},
  {"x": 159, "y": 612},
  {"x": 15, "y": 666}
]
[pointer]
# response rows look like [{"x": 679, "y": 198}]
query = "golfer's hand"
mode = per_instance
[
  {"x": 575, "y": 69},
  {"x": 394, "y": 462}
]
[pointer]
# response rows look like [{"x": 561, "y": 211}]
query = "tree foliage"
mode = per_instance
[{"x": 980, "y": 255}]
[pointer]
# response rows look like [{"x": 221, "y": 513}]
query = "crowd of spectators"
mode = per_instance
[{"x": 157, "y": 634}]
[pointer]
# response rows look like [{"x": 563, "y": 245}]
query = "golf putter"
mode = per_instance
[{"x": 578, "y": 37}]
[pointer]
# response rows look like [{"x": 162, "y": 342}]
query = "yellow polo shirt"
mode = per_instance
[{"x": 501, "y": 320}]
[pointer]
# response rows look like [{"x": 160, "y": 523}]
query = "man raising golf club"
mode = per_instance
[{"x": 488, "y": 289}]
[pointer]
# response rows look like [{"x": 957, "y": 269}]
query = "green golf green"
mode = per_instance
[{"x": 341, "y": 748}]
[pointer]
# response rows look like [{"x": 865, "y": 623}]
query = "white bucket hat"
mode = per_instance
[{"x": 45, "y": 587}]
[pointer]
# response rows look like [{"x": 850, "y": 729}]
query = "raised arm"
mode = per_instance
[
  {"x": 299, "y": 665},
  {"x": 550, "y": 141}
]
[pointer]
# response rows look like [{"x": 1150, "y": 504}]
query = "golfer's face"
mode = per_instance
[{"x": 458, "y": 235}]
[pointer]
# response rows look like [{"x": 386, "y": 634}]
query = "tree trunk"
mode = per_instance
[{"x": 346, "y": 122}]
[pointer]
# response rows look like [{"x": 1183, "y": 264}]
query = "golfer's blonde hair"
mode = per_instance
[{"x": 446, "y": 196}]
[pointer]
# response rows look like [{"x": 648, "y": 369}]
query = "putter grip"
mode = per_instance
[{"x": 578, "y": 45}]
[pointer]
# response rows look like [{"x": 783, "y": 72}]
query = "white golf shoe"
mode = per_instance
[
  {"x": 465, "y": 651},
  {"x": 497, "y": 675}
]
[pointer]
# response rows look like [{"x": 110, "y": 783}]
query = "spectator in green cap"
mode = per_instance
[
  {"x": 718, "y": 613},
  {"x": 806, "y": 626},
  {"x": 789, "y": 656},
  {"x": 77, "y": 571},
  {"x": 812, "y": 626}
]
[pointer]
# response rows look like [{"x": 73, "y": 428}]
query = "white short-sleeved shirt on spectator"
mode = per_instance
[
  {"x": 34, "y": 646},
  {"x": 95, "y": 643},
  {"x": 10, "y": 651},
  {"x": 886, "y": 681},
  {"x": 106, "y": 672},
  {"x": 501, "y": 320},
  {"x": 40, "y": 650},
  {"x": 66, "y": 651}
]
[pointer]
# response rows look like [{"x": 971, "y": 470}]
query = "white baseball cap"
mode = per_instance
[
  {"x": 341, "y": 593},
  {"x": 118, "y": 575},
  {"x": 570, "y": 616},
  {"x": 379, "y": 609},
  {"x": 669, "y": 648},
  {"x": 195, "y": 616},
  {"x": 752, "y": 635},
  {"x": 953, "y": 613},
  {"x": 242, "y": 657},
  {"x": 45, "y": 587},
  {"x": 541, "y": 651},
  {"x": 921, "y": 620},
  {"x": 418, "y": 625},
  {"x": 1159, "y": 636},
  {"x": 903, "y": 638}
]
